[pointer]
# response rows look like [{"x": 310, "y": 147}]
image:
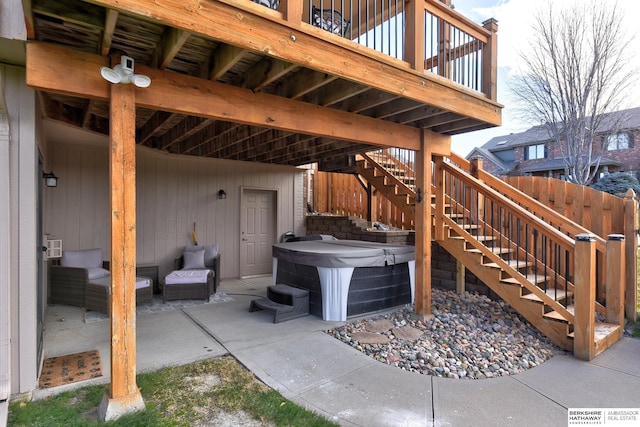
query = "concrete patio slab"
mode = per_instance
[
  {"x": 301, "y": 362},
  {"x": 375, "y": 395},
  {"x": 577, "y": 384},
  {"x": 625, "y": 352},
  {"x": 492, "y": 402}
]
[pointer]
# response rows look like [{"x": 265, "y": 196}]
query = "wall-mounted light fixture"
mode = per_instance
[
  {"x": 123, "y": 73},
  {"x": 50, "y": 179},
  {"x": 222, "y": 194}
]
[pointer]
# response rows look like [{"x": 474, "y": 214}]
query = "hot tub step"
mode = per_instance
[{"x": 290, "y": 303}]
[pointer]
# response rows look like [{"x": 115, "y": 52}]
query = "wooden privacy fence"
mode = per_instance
[
  {"x": 345, "y": 194},
  {"x": 600, "y": 212}
]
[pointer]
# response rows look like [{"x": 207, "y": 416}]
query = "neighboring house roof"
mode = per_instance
[
  {"x": 624, "y": 119},
  {"x": 558, "y": 163},
  {"x": 503, "y": 167}
]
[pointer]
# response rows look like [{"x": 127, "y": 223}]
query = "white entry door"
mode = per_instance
[{"x": 258, "y": 231}]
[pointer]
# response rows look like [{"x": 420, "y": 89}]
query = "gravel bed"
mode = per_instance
[{"x": 469, "y": 336}]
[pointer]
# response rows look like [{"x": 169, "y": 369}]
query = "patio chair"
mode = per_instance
[
  {"x": 68, "y": 280},
  {"x": 330, "y": 20},
  {"x": 196, "y": 274},
  {"x": 98, "y": 293}
]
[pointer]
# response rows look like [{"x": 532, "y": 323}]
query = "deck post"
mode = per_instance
[
  {"x": 585, "y": 293},
  {"x": 490, "y": 61},
  {"x": 423, "y": 229},
  {"x": 123, "y": 396},
  {"x": 460, "y": 278},
  {"x": 292, "y": 11},
  {"x": 631, "y": 255},
  {"x": 439, "y": 177},
  {"x": 615, "y": 282},
  {"x": 414, "y": 52}
]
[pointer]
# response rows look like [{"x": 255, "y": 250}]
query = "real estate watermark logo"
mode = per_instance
[{"x": 624, "y": 417}]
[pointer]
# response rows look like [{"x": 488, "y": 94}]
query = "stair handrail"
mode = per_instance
[
  {"x": 517, "y": 209},
  {"x": 529, "y": 203}
]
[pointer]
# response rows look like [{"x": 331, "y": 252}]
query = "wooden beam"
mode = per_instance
[
  {"x": 266, "y": 33},
  {"x": 266, "y": 72},
  {"x": 48, "y": 67},
  {"x": 304, "y": 82},
  {"x": 183, "y": 130},
  {"x": 224, "y": 58},
  {"x": 123, "y": 396},
  {"x": 110, "y": 21},
  {"x": 172, "y": 42},
  {"x": 147, "y": 130},
  {"x": 29, "y": 22}
]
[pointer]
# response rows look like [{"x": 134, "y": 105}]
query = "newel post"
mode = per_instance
[
  {"x": 584, "y": 297},
  {"x": 414, "y": 52},
  {"x": 631, "y": 254},
  {"x": 490, "y": 61},
  {"x": 614, "y": 281},
  {"x": 292, "y": 11}
]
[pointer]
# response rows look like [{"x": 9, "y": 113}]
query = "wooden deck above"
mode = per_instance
[{"x": 236, "y": 80}]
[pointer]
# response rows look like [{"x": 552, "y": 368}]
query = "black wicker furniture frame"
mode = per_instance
[{"x": 193, "y": 290}]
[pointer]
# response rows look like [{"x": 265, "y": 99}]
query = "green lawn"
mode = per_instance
[{"x": 176, "y": 396}]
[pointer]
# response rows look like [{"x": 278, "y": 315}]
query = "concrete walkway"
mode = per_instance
[{"x": 306, "y": 365}]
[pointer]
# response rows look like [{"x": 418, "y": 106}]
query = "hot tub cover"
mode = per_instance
[{"x": 343, "y": 253}]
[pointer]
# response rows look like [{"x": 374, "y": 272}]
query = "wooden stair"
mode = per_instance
[{"x": 514, "y": 280}]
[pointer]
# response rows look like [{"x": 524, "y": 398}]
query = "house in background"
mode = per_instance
[{"x": 533, "y": 152}]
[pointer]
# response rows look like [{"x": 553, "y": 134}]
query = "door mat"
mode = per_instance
[{"x": 70, "y": 369}]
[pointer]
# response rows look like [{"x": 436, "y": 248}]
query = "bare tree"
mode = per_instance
[{"x": 575, "y": 72}]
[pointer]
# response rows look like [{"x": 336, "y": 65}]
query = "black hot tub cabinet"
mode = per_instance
[{"x": 347, "y": 277}]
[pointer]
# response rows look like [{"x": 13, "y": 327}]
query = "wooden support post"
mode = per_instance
[
  {"x": 460, "y": 279},
  {"x": 371, "y": 210},
  {"x": 615, "y": 282},
  {"x": 490, "y": 61},
  {"x": 423, "y": 229},
  {"x": 292, "y": 11},
  {"x": 584, "y": 297},
  {"x": 124, "y": 396},
  {"x": 414, "y": 51},
  {"x": 477, "y": 215},
  {"x": 439, "y": 212},
  {"x": 631, "y": 255}
]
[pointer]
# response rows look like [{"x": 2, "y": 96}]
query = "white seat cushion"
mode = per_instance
[
  {"x": 180, "y": 277},
  {"x": 97, "y": 273},
  {"x": 141, "y": 282}
]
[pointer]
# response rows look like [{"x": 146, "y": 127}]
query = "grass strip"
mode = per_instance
[{"x": 187, "y": 395}]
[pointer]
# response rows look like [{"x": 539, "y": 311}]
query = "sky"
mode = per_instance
[{"x": 514, "y": 32}]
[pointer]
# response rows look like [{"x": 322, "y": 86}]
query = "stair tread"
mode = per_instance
[
  {"x": 601, "y": 330},
  {"x": 513, "y": 263},
  {"x": 496, "y": 250},
  {"x": 554, "y": 315},
  {"x": 267, "y": 304},
  {"x": 558, "y": 295},
  {"x": 533, "y": 278}
]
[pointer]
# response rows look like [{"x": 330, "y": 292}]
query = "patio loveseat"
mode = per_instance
[{"x": 68, "y": 280}]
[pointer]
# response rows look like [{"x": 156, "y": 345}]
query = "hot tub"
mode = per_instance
[{"x": 347, "y": 277}]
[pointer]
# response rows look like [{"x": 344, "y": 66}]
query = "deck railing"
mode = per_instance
[{"x": 428, "y": 34}]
